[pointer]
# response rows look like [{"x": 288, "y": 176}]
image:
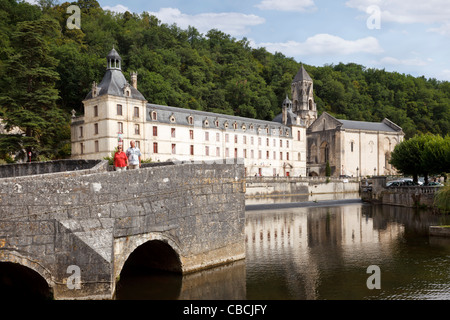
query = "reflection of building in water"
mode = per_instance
[{"x": 301, "y": 241}]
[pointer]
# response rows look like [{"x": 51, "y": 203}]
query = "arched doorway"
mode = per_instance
[
  {"x": 152, "y": 271},
  {"x": 20, "y": 282}
]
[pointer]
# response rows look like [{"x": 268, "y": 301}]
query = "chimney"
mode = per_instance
[{"x": 134, "y": 79}]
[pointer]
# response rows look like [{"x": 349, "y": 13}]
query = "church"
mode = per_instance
[{"x": 295, "y": 143}]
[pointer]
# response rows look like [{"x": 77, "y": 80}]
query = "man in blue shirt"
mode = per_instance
[{"x": 134, "y": 156}]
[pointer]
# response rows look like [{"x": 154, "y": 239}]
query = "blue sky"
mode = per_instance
[{"x": 411, "y": 37}]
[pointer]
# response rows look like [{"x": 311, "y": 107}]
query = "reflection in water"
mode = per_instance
[
  {"x": 324, "y": 253},
  {"x": 321, "y": 253}
]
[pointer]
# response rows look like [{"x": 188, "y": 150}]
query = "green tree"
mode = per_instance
[
  {"x": 423, "y": 154},
  {"x": 29, "y": 97}
]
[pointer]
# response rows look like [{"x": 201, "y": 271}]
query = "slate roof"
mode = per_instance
[
  {"x": 369, "y": 126},
  {"x": 302, "y": 75},
  {"x": 164, "y": 113},
  {"x": 113, "y": 83}
]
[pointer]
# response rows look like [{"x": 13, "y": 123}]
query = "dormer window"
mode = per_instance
[
  {"x": 235, "y": 125},
  {"x": 127, "y": 90},
  {"x": 191, "y": 120},
  {"x": 172, "y": 118},
  {"x": 154, "y": 116},
  {"x": 226, "y": 124},
  {"x": 206, "y": 123}
]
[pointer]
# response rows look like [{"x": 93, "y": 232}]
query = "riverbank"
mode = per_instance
[{"x": 303, "y": 204}]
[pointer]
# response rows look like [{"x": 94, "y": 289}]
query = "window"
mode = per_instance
[
  {"x": 259, "y": 141},
  {"x": 119, "y": 109},
  {"x": 217, "y": 136},
  {"x": 245, "y": 139},
  {"x": 96, "y": 146},
  {"x": 227, "y": 138},
  {"x": 172, "y": 132},
  {"x": 81, "y": 148},
  {"x": 351, "y": 146},
  {"x": 217, "y": 152},
  {"x": 299, "y": 157},
  {"x": 136, "y": 112},
  {"x": 138, "y": 144},
  {"x": 287, "y": 143},
  {"x": 227, "y": 152},
  {"x": 190, "y": 120},
  {"x": 287, "y": 155},
  {"x": 191, "y": 134},
  {"x": 206, "y": 151},
  {"x": 267, "y": 154},
  {"x": 217, "y": 123},
  {"x": 155, "y": 147},
  {"x": 154, "y": 116},
  {"x": 298, "y": 135},
  {"x": 136, "y": 129},
  {"x": 281, "y": 143},
  {"x": 191, "y": 150},
  {"x": 274, "y": 155},
  {"x": 235, "y": 138},
  {"x": 235, "y": 125},
  {"x": 206, "y": 136},
  {"x": 259, "y": 154},
  {"x": 81, "y": 132},
  {"x": 251, "y": 140},
  {"x": 267, "y": 141},
  {"x": 281, "y": 155},
  {"x": 245, "y": 153},
  {"x": 155, "y": 131},
  {"x": 95, "y": 128},
  {"x": 174, "y": 148},
  {"x": 235, "y": 152},
  {"x": 252, "y": 154},
  {"x": 95, "y": 111},
  {"x": 120, "y": 127},
  {"x": 274, "y": 142}
]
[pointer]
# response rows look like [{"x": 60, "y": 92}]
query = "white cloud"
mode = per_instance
[
  {"x": 233, "y": 23},
  {"x": 117, "y": 8},
  {"x": 325, "y": 44},
  {"x": 404, "y": 62},
  {"x": 286, "y": 5},
  {"x": 411, "y": 11}
]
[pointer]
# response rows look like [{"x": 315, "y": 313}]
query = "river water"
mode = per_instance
[{"x": 320, "y": 252}]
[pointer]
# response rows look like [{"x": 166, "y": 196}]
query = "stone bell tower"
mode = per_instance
[{"x": 303, "y": 97}]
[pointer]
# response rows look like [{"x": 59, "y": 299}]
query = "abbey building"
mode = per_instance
[{"x": 295, "y": 143}]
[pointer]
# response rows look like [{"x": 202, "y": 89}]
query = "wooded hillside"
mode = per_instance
[{"x": 46, "y": 70}]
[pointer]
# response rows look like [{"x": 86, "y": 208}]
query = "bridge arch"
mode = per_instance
[
  {"x": 21, "y": 275},
  {"x": 160, "y": 245}
]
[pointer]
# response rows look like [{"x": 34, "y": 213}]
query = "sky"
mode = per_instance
[{"x": 410, "y": 37}]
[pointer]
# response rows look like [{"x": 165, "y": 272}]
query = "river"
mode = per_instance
[{"x": 320, "y": 252}]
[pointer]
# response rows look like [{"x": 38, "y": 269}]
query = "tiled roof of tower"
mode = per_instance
[{"x": 302, "y": 75}]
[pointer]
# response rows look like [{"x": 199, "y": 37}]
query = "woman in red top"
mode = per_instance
[{"x": 120, "y": 160}]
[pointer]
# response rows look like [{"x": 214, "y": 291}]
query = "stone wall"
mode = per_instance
[
  {"x": 407, "y": 196},
  {"x": 34, "y": 168},
  {"x": 49, "y": 222},
  {"x": 261, "y": 187}
]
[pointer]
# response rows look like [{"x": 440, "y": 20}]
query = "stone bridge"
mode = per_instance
[{"x": 76, "y": 224}]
